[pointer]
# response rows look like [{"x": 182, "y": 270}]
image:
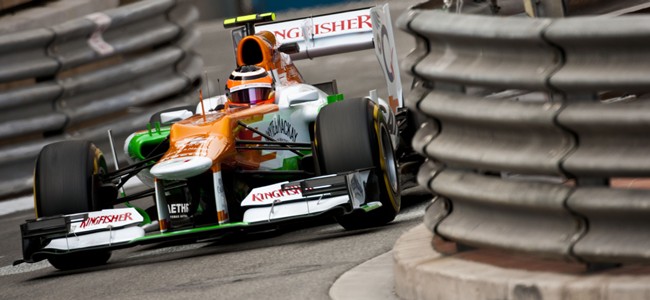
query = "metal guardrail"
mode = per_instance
[
  {"x": 76, "y": 80},
  {"x": 523, "y": 137}
]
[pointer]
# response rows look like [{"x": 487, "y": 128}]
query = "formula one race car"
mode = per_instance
[{"x": 272, "y": 149}]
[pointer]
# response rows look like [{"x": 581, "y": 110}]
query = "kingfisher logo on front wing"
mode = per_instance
[
  {"x": 275, "y": 195},
  {"x": 107, "y": 219},
  {"x": 272, "y": 194}
]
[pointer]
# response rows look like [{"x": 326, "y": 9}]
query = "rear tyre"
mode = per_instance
[
  {"x": 66, "y": 181},
  {"x": 352, "y": 135}
]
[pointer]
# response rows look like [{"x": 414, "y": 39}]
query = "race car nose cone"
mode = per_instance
[{"x": 181, "y": 168}]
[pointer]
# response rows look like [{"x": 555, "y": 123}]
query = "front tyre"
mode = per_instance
[
  {"x": 67, "y": 181},
  {"x": 352, "y": 135},
  {"x": 80, "y": 260}
]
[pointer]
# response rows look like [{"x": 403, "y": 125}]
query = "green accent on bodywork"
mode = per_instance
[
  {"x": 143, "y": 138},
  {"x": 368, "y": 208},
  {"x": 229, "y": 21},
  {"x": 142, "y": 212},
  {"x": 189, "y": 231},
  {"x": 335, "y": 98},
  {"x": 290, "y": 163}
]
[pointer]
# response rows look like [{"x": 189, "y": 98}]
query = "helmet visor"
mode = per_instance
[{"x": 251, "y": 95}]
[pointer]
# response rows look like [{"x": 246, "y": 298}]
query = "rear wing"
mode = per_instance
[
  {"x": 325, "y": 34},
  {"x": 341, "y": 32}
]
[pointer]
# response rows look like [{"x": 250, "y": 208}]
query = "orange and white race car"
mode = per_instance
[{"x": 273, "y": 149}]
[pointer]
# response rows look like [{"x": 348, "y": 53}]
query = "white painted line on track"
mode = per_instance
[
  {"x": 24, "y": 268},
  {"x": 173, "y": 249},
  {"x": 18, "y": 204}
]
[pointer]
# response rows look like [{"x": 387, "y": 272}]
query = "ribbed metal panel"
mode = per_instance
[
  {"x": 84, "y": 76},
  {"x": 23, "y": 55},
  {"x": 523, "y": 138},
  {"x": 496, "y": 134},
  {"x": 618, "y": 223},
  {"x": 519, "y": 215},
  {"x": 602, "y": 54},
  {"x": 485, "y": 51},
  {"x": 614, "y": 139}
]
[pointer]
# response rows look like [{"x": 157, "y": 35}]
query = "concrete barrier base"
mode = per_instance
[{"x": 423, "y": 273}]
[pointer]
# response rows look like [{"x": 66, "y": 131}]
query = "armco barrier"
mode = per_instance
[
  {"x": 76, "y": 80},
  {"x": 528, "y": 121},
  {"x": 24, "y": 55}
]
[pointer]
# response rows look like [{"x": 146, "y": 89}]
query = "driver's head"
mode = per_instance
[{"x": 250, "y": 85}]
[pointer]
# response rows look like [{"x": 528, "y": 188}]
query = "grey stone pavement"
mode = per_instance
[{"x": 414, "y": 270}]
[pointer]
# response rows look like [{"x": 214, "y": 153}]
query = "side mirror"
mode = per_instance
[
  {"x": 302, "y": 97},
  {"x": 175, "y": 116},
  {"x": 212, "y": 103}
]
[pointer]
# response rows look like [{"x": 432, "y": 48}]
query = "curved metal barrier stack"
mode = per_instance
[
  {"x": 528, "y": 120},
  {"x": 76, "y": 80}
]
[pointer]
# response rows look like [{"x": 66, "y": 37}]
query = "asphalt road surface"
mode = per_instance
[{"x": 298, "y": 262}]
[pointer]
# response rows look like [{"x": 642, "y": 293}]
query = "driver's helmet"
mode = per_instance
[{"x": 250, "y": 85}]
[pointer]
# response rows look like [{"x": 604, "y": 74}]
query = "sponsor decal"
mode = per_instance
[
  {"x": 105, "y": 219},
  {"x": 358, "y": 22},
  {"x": 275, "y": 195},
  {"x": 177, "y": 162},
  {"x": 197, "y": 146},
  {"x": 320, "y": 26},
  {"x": 282, "y": 130},
  {"x": 179, "y": 208},
  {"x": 194, "y": 146},
  {"x": 382, "y": 37}
]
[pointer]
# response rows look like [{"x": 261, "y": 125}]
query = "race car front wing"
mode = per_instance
[
  {"x": 111, "y": 229},
  {"x": 305, "y": 197}
]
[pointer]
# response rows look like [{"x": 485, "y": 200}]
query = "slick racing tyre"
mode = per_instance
[
  {"x": 351, "y": 135},
  {"x": 80, "y": 260},
  {"x": 66, "y": 182}
]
